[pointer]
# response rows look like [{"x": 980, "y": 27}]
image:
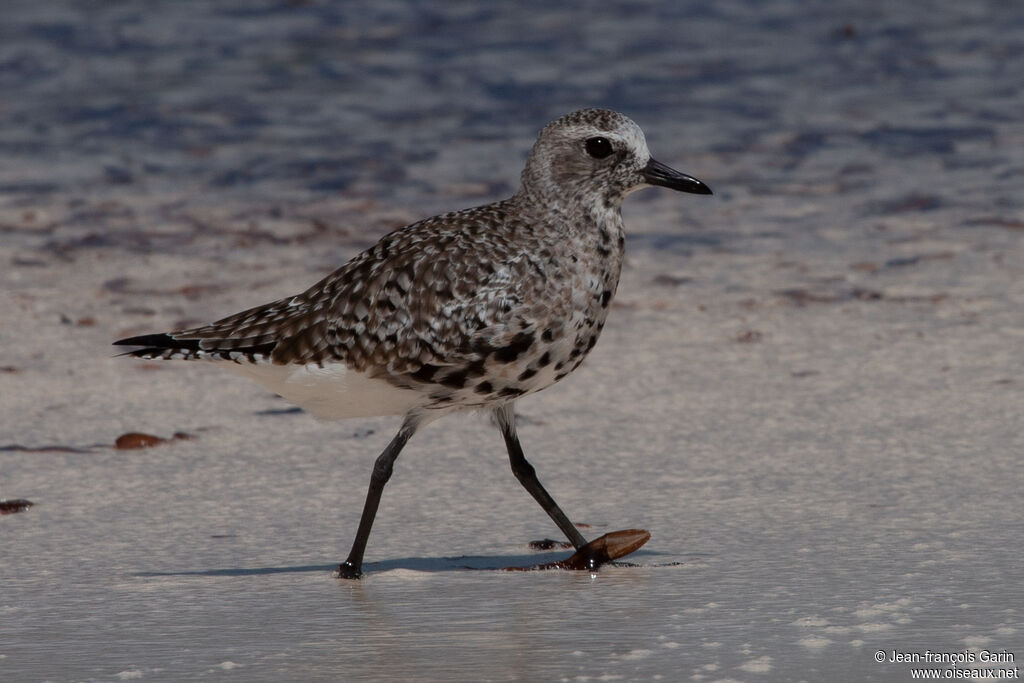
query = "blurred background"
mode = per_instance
[{"x": 118, "y": 117}]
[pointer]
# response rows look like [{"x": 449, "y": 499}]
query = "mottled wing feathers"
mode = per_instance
[{"x": 435, "y": 294}]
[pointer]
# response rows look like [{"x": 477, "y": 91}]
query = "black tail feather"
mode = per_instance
[
  {"x": 159, "y": 341},
  {"x": 167, "y": 346},
  {"x": 158, "y": 345}
]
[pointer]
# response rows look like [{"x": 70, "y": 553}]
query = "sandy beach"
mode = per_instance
[{"x": 809, "y": 389}]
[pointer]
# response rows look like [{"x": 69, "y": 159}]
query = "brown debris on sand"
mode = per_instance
[
  {"x": 133, "y": 440},
  {"x": 13, "y": 505}
]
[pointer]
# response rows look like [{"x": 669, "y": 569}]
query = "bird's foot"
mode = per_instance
[
  {"x": 604, "y": 549},
  {"x": 349, "y": 570}
]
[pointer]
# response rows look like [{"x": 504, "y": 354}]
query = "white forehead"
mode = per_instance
[
  {"x": 631, "y": 134},
  {"x": 602, "y": 123}
]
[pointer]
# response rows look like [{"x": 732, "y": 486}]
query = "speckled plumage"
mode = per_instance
[{"x": 469, "y": 309}]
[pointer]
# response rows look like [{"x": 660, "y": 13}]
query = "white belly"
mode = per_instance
[{"x": 331, "y": 392}]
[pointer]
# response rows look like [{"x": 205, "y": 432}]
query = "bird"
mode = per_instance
[{"x": 468, "y": 310}]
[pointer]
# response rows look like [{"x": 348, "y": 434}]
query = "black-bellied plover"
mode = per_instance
[{"x": 468, "y": 310}]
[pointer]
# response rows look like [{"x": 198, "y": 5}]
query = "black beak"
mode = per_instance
[{"x": 657, "y": 173}]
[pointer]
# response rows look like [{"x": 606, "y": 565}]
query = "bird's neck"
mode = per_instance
[{"x": 571, "y": 212}]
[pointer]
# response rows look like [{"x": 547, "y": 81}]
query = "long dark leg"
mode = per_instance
[
  {"x": 382, "y": 468},
  {"x": 527, "y": 476}
]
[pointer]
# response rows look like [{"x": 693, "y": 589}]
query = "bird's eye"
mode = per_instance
[{"x": 598, "y": 148}]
